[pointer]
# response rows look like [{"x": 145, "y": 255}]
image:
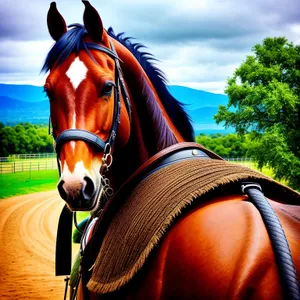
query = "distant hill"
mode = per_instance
[
  {"x": 203, "y": 115},
  {"x": 28, "y": 93},
  {"x": 15, "y": 111},
  {"x": 195, "y": 99},
  {"x": 27, "y": 103}
]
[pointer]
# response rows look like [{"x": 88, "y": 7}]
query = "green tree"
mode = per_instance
[
  {"x": 227, "y": 146},
  {"x": 24, "y": 138},
  {"x": 264, "y": 99}
]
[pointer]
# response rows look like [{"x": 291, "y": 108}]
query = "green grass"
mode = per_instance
[
  {"x": 21, "y": 183},
  {"x": 265, "y": 170}
]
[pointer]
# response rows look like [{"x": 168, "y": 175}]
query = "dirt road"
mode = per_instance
[{"x": 27, "y": 244}]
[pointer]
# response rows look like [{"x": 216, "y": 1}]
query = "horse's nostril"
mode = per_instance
[
  {"x": 89, "y": 189},
  {"x": 61, "y": 190}
]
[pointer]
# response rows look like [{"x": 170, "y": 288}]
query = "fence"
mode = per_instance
[
  {"x": 47, "y": 161},
  {"x": 28, "y": 156},
  {"x": 239, "y": 159},
  {"x": 25, "y": 165}
]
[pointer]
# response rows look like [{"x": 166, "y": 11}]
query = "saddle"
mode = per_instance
[{"x": 143, "y": 213}]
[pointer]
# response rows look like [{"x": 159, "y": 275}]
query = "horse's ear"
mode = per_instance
[
  {"x": 92, "y": 22},
  {"x": 56, "y": 23}
]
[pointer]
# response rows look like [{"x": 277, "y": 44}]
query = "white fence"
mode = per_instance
[
  {"x": 241, "y": 160},
  {"x": 47, "y": 161},
  {"x": 28, "y": 156},
  {"x": 28, "y": 163}
]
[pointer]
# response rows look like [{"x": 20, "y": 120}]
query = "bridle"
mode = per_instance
[
  {"x": 63, "y": 250},
  {"x": 91, "y": 138}
]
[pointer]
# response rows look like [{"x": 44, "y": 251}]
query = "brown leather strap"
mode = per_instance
[{"x": 167, "y": 151}]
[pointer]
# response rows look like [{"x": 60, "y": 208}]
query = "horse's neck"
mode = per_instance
[{"x": 151, "y": 130}]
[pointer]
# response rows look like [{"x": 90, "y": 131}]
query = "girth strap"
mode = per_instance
[{"x": 282, "y": 252}]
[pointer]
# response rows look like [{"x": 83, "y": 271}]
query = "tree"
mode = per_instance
[
  {"x": 227, "y": 146},
  {"x": 24, "y": 138},
  {"x": 264, "y": 99}
]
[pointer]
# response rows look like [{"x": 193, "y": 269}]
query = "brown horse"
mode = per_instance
[{"x": 113, "y": 118}]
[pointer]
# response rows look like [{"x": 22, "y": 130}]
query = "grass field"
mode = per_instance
[
  {"x": 252, "y": 165},
  {"x": 27, "y": 182},
  {"x": 20, "y": 183}
]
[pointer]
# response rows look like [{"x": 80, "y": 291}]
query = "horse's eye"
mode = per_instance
[
  {"x": 47, "y": 91},
  {"x": 108, "y": 88}
]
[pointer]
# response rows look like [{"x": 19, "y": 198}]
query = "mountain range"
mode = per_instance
[{"x": 28, "y": 103}]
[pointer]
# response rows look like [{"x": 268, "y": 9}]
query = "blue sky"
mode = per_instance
[{"x": 199, "y": 43}]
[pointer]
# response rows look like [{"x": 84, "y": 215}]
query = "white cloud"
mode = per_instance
[{"x": 200, "y": 43}]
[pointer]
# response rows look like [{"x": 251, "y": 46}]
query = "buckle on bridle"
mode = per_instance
[{"x": 107, "y": 159}]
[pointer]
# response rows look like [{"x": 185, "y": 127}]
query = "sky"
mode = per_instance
[{"x": 199, "y": 43}]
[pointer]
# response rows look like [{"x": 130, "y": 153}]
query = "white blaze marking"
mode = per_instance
[
  {"x": 76, "y": 72},
  {"x": 79, "y": 170}
]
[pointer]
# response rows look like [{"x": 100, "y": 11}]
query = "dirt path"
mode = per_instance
[{"x": 27, "y": 244}]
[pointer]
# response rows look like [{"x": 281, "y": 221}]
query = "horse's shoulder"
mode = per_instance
[{"x": 215, "y": 250}]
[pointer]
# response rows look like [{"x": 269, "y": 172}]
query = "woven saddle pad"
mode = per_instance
[{"x": 149, "y": 209}]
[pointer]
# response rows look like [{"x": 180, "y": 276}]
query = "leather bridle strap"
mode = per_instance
[
  {"x": 79, "y": 135},
  {"x": 92, "y": 138}
]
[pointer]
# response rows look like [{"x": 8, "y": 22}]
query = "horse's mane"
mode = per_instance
[
  {"x": 173, "y": 107},
  {"x": 72, "y": 41}
]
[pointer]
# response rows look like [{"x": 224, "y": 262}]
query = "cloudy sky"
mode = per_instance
[{"x": 199, "y": 42}]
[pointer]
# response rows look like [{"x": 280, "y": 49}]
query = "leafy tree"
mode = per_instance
[
  {"x": 24, "y": 138},
  {"x": 230, "y": 145},
  {"x": 264, "y": 99}
]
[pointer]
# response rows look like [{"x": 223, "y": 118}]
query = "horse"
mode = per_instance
[{"x": 126, "y": 151}]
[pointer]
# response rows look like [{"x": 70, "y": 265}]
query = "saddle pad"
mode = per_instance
[{"x": 150, "y": 208}]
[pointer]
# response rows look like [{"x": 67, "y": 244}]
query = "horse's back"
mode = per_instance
[{"x": 219, "y": 250}]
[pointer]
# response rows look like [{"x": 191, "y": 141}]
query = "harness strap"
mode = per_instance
[
  {"x": 78, "y": 135},
  {"x": 122, "y": 83},
  {"x": 283, "y": 256},
  {"x": 63, "y": 251}
]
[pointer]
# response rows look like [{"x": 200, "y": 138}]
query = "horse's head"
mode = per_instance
[{"x": 86, "y": 103}]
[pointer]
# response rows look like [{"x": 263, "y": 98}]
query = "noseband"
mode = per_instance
[{"x": 92, "y": 138}]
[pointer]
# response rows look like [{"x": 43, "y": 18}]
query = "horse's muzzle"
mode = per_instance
[{"x": 80, "y": 194}]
